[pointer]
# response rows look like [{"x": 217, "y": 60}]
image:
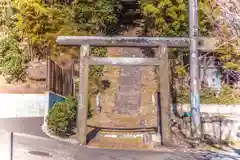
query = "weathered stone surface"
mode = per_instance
[
  {"x": 223, "y": 128},
  {"x": 148, "y": 90},
  {"x": 37, "y": 70},
  {"x": 128, "y": 97},
  {"x": 132, "y": 87},
  {"x": 107, "y": 98}
]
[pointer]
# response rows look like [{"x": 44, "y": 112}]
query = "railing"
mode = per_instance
[{"x": 60, "y": 80}]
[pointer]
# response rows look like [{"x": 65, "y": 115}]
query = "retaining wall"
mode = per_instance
[
  {"x": 233, "y": 109},
  {"x": 219, "y": 121},
  {"x": 27, "y": 105}
]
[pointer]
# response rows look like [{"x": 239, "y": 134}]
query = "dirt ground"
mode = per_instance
[
  {"x": 22, "y": 87},
  {"x": 118, "y": 143}
]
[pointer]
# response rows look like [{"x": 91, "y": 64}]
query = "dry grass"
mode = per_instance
[{"x": 27, "y": 87}]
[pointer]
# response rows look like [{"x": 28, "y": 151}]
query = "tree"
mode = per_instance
[
  {"x": 11, "y": 59},
  {"x": 170, "y": 18},
  {"x": 41, "y": 22},
  {"x": 36, "y": 22}
]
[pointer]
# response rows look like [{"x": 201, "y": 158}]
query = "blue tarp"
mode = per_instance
[{"x": 54, "y": 98}]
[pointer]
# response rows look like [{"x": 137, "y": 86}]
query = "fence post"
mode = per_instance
[
  {"x": 82, "y": 113},
  {"x": 49, "y": 74}
]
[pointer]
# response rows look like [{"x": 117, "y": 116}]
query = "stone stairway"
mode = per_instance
[
  {"x": 128, "y": 96},
  {"x": 127, "y": 102}
]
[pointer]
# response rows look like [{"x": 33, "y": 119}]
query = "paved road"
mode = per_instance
[
  {"x": 29, "y": 125},
  {"x": 36, "y": 142},
  {"x": 39, "y": 148}
]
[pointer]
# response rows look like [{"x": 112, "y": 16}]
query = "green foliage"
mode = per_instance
[
  {"x": 165, "y": 17},
  {"x": 11, "y": 59},
  {"x": 208, "y": 15},
  {"x": 170, "y": 18},
  {"x": 40, "y": 23},
  {"x": 228, "y": 54},
  {"x": 94, "y": 16},
  {"x": 207, "y": 96},
  {"x": 180, "y": 71},
  {"x": 62, "y": 116},
  {"x": 36, "y": 23},
  {"x": 96, "y": 72},
  {"x": 6, "y": 19}
]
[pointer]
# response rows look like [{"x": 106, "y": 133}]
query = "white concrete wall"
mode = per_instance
[
  {"x": 6, "y": 148},
  {"x": 214, "y": 109},
  {"x": 23, "y": 105}
]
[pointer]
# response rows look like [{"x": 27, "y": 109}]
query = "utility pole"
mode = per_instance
[{"x": 194, "y": 69}]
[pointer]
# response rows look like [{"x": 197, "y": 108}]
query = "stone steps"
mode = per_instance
[{"x": 132, "y": 87}]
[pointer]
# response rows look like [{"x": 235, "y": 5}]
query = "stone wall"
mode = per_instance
[
  {"x": 219, "y": 121},
  {"x": 219, "y": 128}
]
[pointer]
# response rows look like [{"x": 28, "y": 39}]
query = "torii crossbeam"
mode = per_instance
[{"x": 162, "y": 60}]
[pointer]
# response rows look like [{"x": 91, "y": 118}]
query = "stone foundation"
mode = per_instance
[{"x": 220, "y": 128}]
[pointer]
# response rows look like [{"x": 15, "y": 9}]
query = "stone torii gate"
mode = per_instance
[{"x": 161, "y": 60}]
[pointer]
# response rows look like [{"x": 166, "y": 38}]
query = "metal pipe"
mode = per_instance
[
  {"x": 11, "y": 146},
  {"x": 194, "y": 68}
]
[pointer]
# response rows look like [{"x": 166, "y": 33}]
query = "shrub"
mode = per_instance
[
  {"x": 62, "y": 116},
  {"x": 227, "y": 96},
  {"x": 11, "y": 59}
]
